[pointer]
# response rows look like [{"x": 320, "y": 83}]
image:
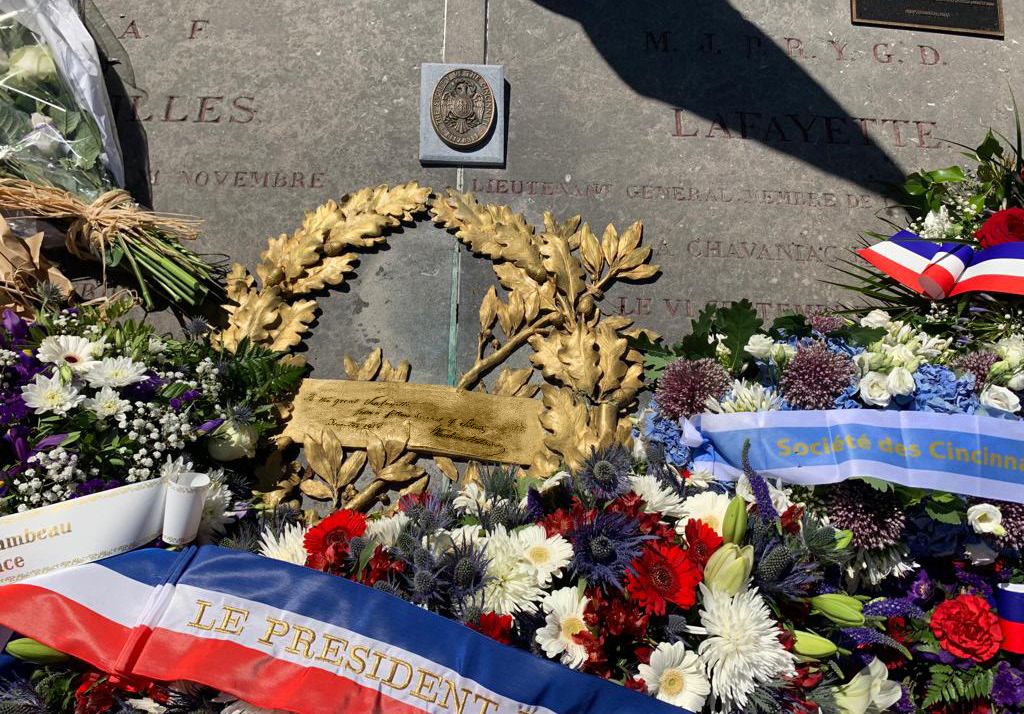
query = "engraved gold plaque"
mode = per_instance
[{"x": 462, "y": 109}]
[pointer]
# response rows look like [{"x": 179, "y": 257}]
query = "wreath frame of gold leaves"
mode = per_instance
[{"x": 553, "y": 280}]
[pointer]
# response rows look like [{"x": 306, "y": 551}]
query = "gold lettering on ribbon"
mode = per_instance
[{"x": 440, "y": 419}]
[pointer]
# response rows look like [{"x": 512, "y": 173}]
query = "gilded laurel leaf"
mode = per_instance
[
  {"x": 590, "y": 252},
  {"x": 540, "y": 296},
  {"x": 640, "y": 272},
  {"x": 514, "y": 383},
  {"x": 566, "y": 423},
  {"x": 330, "y": 271},
  {"x": 488, "y": 308},
  {"x": 630, "y": 239},
  {"x": 611, "y": 350},
  {"x": 295, "y": 319},
  {"x": 566, "y": 229},
  {"x": 325, "y": 456},
  {"x": 580, "y": 358},
  {"x": 252, "y": 318},
  {"x": 400, "y": 472},
  {"x": 610, "y": 244},
  {"x": 562, "y": 265},
  {"x": 398, "y": 373},
  {"x": 375, "y": 453},
  {"x": 316, "y": 489},
  {"x": 416, "y": 487},
  {"x": 366, "y": 371},
  {"x": 239, "y": 282},
  {"x": 447, "y": 467}
]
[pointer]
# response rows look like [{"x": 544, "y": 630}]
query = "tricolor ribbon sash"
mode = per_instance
[
  {"x": 975, "y": 455},
  {"x": 939, "y": 271},
  {"x": 100, "y": 525},
  {"x": 1010, "y": 606},
  {"x": 282, "y": 636}
]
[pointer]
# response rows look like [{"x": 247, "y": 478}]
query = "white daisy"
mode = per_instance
[
  {"x": 709, "y": 507},
  {"x": 564, "y": 619},
  {"x": 386, "y": 530},
  {"x": 657, "y": 497},
  {"x": 676, "y": 676},
  {"x": 742, "y": 647},
  {"x": 472, "y": 499},
  {"x": 511, "y": 585},
  {"x": 215, "y": 511},
  {"x": 289, "y": 546},
  {"x": 106, "y": 403},
  {"x": 115, "y": 372},
  {"x": 50, "y": 394},
  {"x": 76, "y": 352},
  {"x": 546, "y": 556}
]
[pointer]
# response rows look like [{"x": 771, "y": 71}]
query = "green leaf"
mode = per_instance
[
  {"x": 989, "y": 147},
  {"x": 915, "y": 184},
  {"x": 860, "y": 336},
  {"x": 951, "y": 174},
  {"x": 877, "y": 484},
  {"x": 793, "y": 325},
  {"x": 739, "y": 322},
  {"x": 942, "y": 516},
  {"x": 697, "y": 344},
  {"x": 13, "y": 124},
  {"x": 364, "y": 556}
]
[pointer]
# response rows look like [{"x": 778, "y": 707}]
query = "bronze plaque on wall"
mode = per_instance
[{"x": 976, "y": 17}]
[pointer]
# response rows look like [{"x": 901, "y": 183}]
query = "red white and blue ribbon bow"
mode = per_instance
[
  {"x": 282, "y": 636},
  {"x": 939, "y": 271},
  {"x": 1010, "y": 605}
]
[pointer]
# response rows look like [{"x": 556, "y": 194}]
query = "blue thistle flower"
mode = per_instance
[
  {"x": 604, "y": 548},
  {"x": 465, "y": 568},
  {"x": 605, "y": 473}
]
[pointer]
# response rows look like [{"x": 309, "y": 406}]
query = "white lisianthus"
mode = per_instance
[
  {"x": 782, "y": 353},
  {"x": 1016, "y": 382},
  {"x": 31, "y": 62},
  {"x": 50, "y": 394},
  {"x": 676, "y": 675},
  {"x": 900, "y": 382},
  {"x": 387, "y": 529},
  {"x": 759, "y": 346},
  {"x": 233, "y": 441},
  {"x": 903, "y": 356},
  {"x": 866, "y": 362},
  {"x": 873, "y": 389},
  {"x": 1001, "y": 398},
  {"x": 875, "y": 318},
  {"x": 1010, "y": 349},
  {"x": 986, "y": 518}
]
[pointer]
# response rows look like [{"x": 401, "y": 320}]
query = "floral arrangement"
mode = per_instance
[
  {"x": 55, "y": 162},
  {"x": 92, "y": 400}
]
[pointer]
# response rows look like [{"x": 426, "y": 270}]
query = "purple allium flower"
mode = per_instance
[
  {"x": 604, "y": 548},
  {"x": 826, "y": 323},
  {"x": 815, "y": 377},
  {"x": 605, "y": 473},
  {"x": 1013, "y": 522},
  {"x": 874, "y": 517},
  {"x": 978, "y": 364},
  {"x": 1008, "y": 686},
  {"x": 686, "y": 385}
]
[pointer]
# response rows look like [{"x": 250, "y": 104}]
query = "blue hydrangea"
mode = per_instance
[
  {"x": 666, "y": 433},
  {"x": 940, "y": 390},
  {"x": 841, "y": 347}
]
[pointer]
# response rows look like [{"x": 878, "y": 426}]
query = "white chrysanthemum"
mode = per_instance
[
  {"x": 876, "y": 565},
  {"x": 564, "y": 620},
  {"x": 289, "y": 546},
  {"x": 742, "y": 647},
  {"x": 700, "y": 477},
  {"x": 464, "y": 535},
  {"x": 76, "y": 352},
  {"x": 709, "y": 507},
  {"x": 115, "y": 372},
  {"x": 472, "y": 499},
  {"x": 50, "y": 394},
  {"x": 106, "y": 403},
  {"x": 386, "y": 530},
  {"x": 215, "y": 511},
  {"x": 511, "y": 585},
  {"x": 237, "y": 706},
  {"x": 780, "y": 499},
  {"x": 676, "y": 675},
  {"x": 657, "y": 497},
  {"x": 172, "y": 468},
  {"x": 745, "y": 397},
  {"x": 546, "y": 556}
]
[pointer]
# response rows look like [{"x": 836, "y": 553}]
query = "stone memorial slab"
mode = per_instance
[{"x": 753, "y": 138}]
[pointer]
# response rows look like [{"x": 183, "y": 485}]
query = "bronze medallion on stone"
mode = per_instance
[{"x": 462, "y": 109}]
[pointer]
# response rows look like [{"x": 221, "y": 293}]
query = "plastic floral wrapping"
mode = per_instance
[{"x": 60, "y": 159}]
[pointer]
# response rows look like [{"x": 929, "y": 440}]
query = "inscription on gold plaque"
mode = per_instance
[{"x": 441, "y": 420}]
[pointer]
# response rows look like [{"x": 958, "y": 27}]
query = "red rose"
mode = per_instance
[
  {"x": 967, "y": 627},
  {"x": 1006, "y": 226}
]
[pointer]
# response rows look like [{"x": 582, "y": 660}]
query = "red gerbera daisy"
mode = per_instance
[
  {"x": 327, "y": 542},
  {"x": 664, "y": 573},
  {"x": 701, "y": 541},
  {"x": 497, "y": 627}
]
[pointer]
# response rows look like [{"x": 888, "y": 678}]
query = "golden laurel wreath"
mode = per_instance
[{"x": 553, "y": 280}]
